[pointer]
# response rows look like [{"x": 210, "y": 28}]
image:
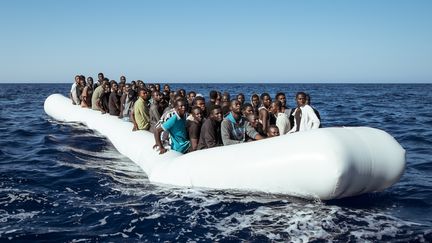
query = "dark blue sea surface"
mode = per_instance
[{"x": 62, "y": 182}]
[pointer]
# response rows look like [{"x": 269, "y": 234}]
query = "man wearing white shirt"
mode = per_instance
[{"x": 304, "y": 116}]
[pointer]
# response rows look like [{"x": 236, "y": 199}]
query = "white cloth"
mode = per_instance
[
  {"x": 308, "y": 121},
  {"x": 283, "y": 123},
  {"x": 74, "y": 94}
]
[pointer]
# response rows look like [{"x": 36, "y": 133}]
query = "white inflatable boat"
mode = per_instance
[{"x": 326, "y": 163}]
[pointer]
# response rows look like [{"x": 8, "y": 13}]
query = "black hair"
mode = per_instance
[
  {"x": 198, "y": 98},
  {"x": 264, "y": 95},
  {"x": 279, "y": 94},
  {"x": 245, "y": 105},
  {"x": 214, "y": 107},
  {"x": 301, "y": 93},
  {"x": 213, "y": 94}
]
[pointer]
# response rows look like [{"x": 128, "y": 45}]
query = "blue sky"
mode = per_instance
[{"x": 217, "y": 41}]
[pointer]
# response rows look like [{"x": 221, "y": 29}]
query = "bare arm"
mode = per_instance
[
  {"x": 158, "y": 141},
  {"x": 263, "y": 116}
]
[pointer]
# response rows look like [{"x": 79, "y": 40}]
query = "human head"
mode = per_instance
[
  {"x": 241, "y": 98},
  {"x": 126, "y": 88},
  {"x": 275, "y": 107},
  {"x": 197, "y": 113},
  {"x": 180, "y": 107},
  {"x": 151, "y": 87},
  {"x": 282, "y": 98},
  {"x": 122, "y": 79},
  {"x": 77, "y": 79},
  {"x": 216, "y": 113},
  {"x": 308, "y": 99},
  {"x": 144, "y": 93},
  {"x": 272, "y": 131},
  {"x": 157, "y": 96},
  {"x": 301, "y": 98},
  {"x": 157, "y": 87},
  {"x": 114, "y": 86},
  {"x": 182, "y": 92},
  {"x": 265, "y": 100},
  {"x": 191, "y": 96},
  {"x": 200, "y": 102},
  {"x": 82, "y": 81},
  {"x": 225, "y": 97},
  {"x": 247, "y": 109},
  {"x": 167, "y": 88},
  {"x": 255, "y": 100},
  {"x": 213, "y": 95},
  {"x": 90, "y": 81},
  {"x": 235, "y": 106},
  {"x": 100, "y": 77},
  {"x": 253, "y": 120}
]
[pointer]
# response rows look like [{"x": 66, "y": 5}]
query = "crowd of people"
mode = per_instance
[{"x": 189, "y": 122}]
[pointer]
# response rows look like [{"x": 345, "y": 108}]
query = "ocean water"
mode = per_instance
[{"x": 62, "y": 182}]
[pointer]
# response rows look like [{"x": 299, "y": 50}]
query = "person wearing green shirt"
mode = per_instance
[{"x": 142, "y": 111}]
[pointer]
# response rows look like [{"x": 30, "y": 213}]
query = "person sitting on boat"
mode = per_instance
[
  {"x": 282, "y": 120},
  {"x": 114, "y": 101},
  {"x": 247, "y": 109},
  {"x": 176, "y": 126},
  {"x": 263, "y": 112},
  {"x": 255, "y": 124},
  {"x": 304, "y": 116},
  {"x": 234, "y": 128},
  {"x": 193, "y": 127},
  {"x": 210, "y": 135},
  {"x": 155, "y": 110},
  {"x": 273, "y": 131},
  {"x": 141, "y": 110}
]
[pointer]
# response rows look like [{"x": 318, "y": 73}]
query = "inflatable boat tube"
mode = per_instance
[{"x": 328, "y": 163}]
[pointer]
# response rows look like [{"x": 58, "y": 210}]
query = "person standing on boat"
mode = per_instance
[
  {"x": 114, "y": 101},
  {"x": 100, "y": 80},
  {"x": 73, "y": 95},
  {"x": 141, "y": 110},
  {"x": 234, "y": 127},
  {"x": 213, "y": 98},
  {"x": 176, "y": 126},
  {"x": 255, "y": 102},
  {"x": 282, "y": 120},
  {"x": 96, "y": 96},
  {"x": 155, "y": 110},
  {"x": 304, "y": 116},
  {"x": 210, "y": 131},
  {"x": 193, "y": 127},
  {"x": 87, "y": 93},
  {"x": 263, "y": 111},
  {"x": 308, "y": 101},
  {"x": 285, "y": 109}
]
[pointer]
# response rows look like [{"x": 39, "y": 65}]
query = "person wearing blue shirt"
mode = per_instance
[{"x": 176, "y": 126}]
